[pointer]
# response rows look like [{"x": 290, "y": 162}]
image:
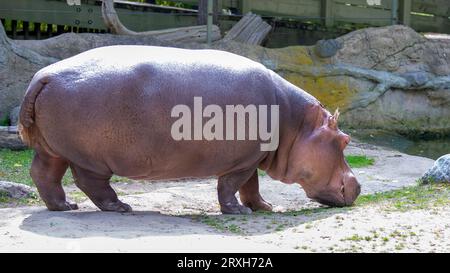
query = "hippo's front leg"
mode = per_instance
[{"x": 227, "y": 187}]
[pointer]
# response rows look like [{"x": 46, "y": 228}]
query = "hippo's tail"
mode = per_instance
[{"x": 28, "y": 131}]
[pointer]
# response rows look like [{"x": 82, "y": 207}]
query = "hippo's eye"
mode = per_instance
[{"x": 342, "y": 189}]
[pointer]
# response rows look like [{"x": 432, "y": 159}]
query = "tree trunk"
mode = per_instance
[
  {"x": 202, "y": 17},
  {"x": 251, "y": 29}
]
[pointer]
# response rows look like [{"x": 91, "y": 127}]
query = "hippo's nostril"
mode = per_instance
[
  {"x": 358, "y": 190},
  {"x": 352, "y": 191}
]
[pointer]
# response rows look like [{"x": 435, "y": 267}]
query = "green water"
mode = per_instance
[{"x": 431, "y": 148}]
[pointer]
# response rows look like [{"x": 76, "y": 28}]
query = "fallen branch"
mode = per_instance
[
  {"x": 184, "y": 34},
  {"x": 251, "y": 29}
]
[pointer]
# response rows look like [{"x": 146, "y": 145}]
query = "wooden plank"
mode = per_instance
[
  {"x": 88, "y": 16},
  {"x": 225, "y": 3},
  {"x": 405, "y": 12},
  {"x": 376, "y": 17},
  {"x": 152, "y": 6},
  {"x": 436, "y": 7},
  {"x": 327, "y": 12},
  {"x": 385, "y": 4},
  {"x": 430, "y": 24},
  {"x": 304, "y": 8}
]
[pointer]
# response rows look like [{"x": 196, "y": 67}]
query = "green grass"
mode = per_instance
[
  {"x": 359, "y": 161},
  {"x": 414, "y": 197},
  {"x": 4, "y": 121},
  {"x": 32, "y": 199},
  {"x": 15, "y": 167},
  {"x": 220, "y": 223}
]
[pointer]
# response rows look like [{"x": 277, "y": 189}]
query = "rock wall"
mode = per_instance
[
  {"x": 381, "y": 78},
  {"x": 388, "y": 78}
]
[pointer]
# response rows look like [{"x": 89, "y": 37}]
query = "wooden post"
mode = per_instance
[
  {"x": 14, "y": 29},
  {"x": 245, "y": 6},
  {"x": 394, "y": 10},
  {"x": 209, "y": 22},
  {"x": 59, "y": 29},
  {"x": 405, "y": 12},
  {"x": 202, "y": 17},
  {"x": 37, "y": 30},
  {"x": 219, "y": 6},
  {"x": 326, "y": 11},
  {"x": 26, "y": 28},
  {"x": 49, "y": 30}
]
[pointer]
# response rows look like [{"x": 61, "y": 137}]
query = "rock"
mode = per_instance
[
  {"x": 15, "y": 190},
  {"x": 9, "y": 138},
  {"x": 17, "y": 67},
  {"x": 14, "y": 116},
  {"x": 417, "y": 78},
  {"x": 327, "y": 48},
  {"x": 440, "y": 172},
  {"x": 396, "y": 49}
]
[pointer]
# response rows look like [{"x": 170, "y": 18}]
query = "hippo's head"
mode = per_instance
[{"x": 317, "y": 163}]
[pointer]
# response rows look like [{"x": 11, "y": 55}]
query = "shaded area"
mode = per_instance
[{"x": 430, "y": 148}]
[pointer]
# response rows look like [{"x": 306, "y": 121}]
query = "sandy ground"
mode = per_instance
[{"x": 183, "y": 216}]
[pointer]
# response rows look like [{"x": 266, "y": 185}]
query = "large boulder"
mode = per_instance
[
  {"x": 440, "y": 172},
  {"x": 15, "y": 190},
  {"x": 390, "y": 78},
  {"x": 14, "y": 116},
  {"x": 9, "y": 138},
  {"x": 419, "y": 106}
]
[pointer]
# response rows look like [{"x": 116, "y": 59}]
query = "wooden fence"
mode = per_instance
[
  {"x": 26, "y": 18},
  {"x": 422, "y": 15}
]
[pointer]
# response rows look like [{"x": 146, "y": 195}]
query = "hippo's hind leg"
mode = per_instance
[
  {"x": 250, "y": 196},
  {"x": 227, "y": 188},
  {"x": 97, "y": 188},
  {"x": 47, "y": 172}
]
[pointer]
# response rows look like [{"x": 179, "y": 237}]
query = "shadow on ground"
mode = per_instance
[{"x": 82, "y": 224}]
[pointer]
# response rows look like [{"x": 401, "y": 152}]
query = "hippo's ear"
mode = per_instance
[{"x": 333, "y": 120}]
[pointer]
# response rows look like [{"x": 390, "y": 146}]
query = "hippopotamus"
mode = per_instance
[{"x": 108, "y": 111}]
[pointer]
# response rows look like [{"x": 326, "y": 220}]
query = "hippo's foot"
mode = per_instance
[
  {"x": 258, "y": 204},
  {"x": 96, "y": 186},
  {"x": 231, "y": 208},
  {"x": 116, "y": 206},
  {"x": 250, "y": 196},
  {"x": 63, "y": 206},
  {"x": 47, "y": 172}
]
